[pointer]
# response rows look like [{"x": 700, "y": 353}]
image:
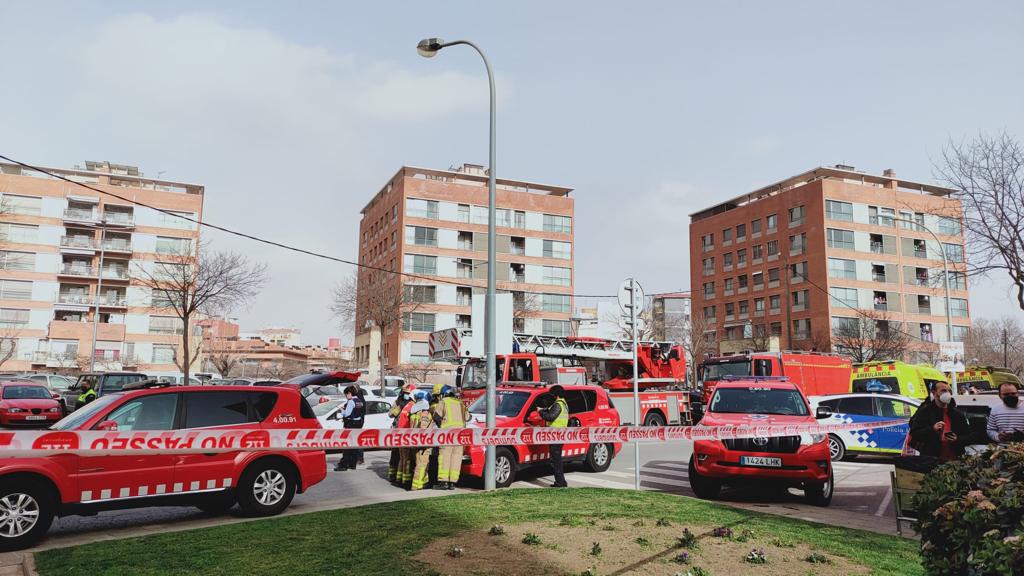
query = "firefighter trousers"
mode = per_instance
[
  {"x": 419, "y": 474},
  {"x": 393, "y": 466},
  {"x": 405, "y": 463},
  {"x": 449, "y": 463}
]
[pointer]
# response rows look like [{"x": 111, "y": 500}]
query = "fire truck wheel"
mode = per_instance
[
  {"x": 599, "y": 457},
  {"x": 820, "y": 494},
  {"x": 26, "y": 512},
  {"x": 266, "y": 487},
  {"x": 704, "y": 488},
  {"x": 504, "y": 468},
  {"x": 654, "y": 419}
]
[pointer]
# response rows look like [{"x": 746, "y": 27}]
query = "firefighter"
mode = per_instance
[
  {"x": 396, "y": 412},
  {"x": 435, "y": 400},
  {"x": 420, "y": 418},
  {"x": 557, "y": 416},
  {"x": 451, "y": 413}
]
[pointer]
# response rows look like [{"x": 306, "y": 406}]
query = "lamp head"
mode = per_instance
[{"x": 428, "y": 47}]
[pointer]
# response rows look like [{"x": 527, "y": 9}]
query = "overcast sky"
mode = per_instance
[{"x": 293, "y": 114}]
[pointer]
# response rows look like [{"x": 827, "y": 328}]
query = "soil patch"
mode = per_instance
[{"x": 620, "y": 547}]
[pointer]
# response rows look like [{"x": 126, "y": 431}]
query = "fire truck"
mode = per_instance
[
  {"x": 663, "y": 390},
  {"x": 815, "y": 373}
]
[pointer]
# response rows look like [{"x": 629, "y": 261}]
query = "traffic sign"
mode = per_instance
[{"x": 625, "y": 296}]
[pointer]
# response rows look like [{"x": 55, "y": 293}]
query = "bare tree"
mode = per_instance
[
  {"x": 71, "y": 363},
  {"x": 996, "y": 343},
  {"x": 645, "y": 321},
  {"x": 222, "y": 356},
  {"x": 419, "y": 372},
  {"x": 870, "y": 336},
  {"x": 284, "y": 369},
  {"x": 200, "y": 281},
  {"x": 988, "y": 174},
  {"x": 524, "y": 305},
  {"x": 703, "y": 340},
  {"x": 761, "y": 337},
  {"x": 9, "y": 343}
]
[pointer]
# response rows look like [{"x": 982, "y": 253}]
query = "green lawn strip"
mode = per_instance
[{"x": 379, "y": 539}]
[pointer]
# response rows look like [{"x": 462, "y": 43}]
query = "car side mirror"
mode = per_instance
[
  {"x": 822, "y": 413},
  {"x": 107, "y": 426}
]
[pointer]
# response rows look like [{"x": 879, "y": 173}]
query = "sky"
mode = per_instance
[{"x": 294, "y": 114}]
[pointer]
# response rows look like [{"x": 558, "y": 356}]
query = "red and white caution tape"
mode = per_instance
[{"x": 93, "y": 442}]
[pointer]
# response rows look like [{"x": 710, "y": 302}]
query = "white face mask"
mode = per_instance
[{"x": 945, "y": 397}]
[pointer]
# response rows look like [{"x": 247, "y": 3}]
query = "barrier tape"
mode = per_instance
[{"x": 98, "y": 443}]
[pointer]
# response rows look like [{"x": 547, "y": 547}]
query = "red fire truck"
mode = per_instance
[
  {"x": 664, "y": 395},
  {"x": 815, "y": 373}
]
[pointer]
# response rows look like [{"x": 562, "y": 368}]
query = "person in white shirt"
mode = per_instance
[{"x": 1006, "y": 422}]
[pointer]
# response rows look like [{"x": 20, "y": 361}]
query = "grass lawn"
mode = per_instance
[{"x": 380, "y": 539}]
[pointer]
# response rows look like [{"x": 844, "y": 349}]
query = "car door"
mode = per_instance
[
  {"x": 580, "y": 414},
  {"x": 104, "y": 478},
  {"x": 377, "y": 415},
  {"x": 891, "y": 438},
  {"x": 854, "y": 409}
]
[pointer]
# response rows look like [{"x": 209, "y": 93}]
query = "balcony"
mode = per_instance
[
  {"x": 81, "y": 270},
  {"x": 74, "y": 298},
  {"x": 79, "y": 215},
  {"x": 117, "y": 246},
  {"x": 115, "y": 274},
  {"x": 877, "y": 248},
  {"x": 78, "y": 242},
  {"x": 119, "y": 219},
  {"x": 114, "y": 301}
]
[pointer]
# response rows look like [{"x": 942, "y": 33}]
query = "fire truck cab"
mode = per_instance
[{"x": 815, "y": 373}]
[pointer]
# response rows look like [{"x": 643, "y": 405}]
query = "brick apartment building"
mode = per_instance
[
  {"x": 433, "y": 223},
  {"x": 788, "y": 263},
  {"x": 64, "y": 250}
]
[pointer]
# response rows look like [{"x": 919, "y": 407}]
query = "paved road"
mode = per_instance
[{"x": 862, "y": 487}]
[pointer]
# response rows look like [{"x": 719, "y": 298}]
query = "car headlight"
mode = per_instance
[
  {"x": 808, "y": 439},
  {"x": 54, "y": 409},
  {"x": 14, "y": 410}
]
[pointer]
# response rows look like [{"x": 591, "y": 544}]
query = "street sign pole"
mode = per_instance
[{"x": 636, "y": 386}]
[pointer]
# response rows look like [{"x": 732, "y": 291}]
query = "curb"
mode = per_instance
[{"x": 28, "y": 565}]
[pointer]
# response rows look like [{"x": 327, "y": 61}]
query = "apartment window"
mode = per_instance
[
  {"x": 553, "y": 223},
  {"x": 800, "y": 298},
  {"x": 958, "y": 307},
  {"x": 757, "y": 252},
  {"x": 709, "y": 289},
  {"x": 950, "y": 226},
  {"x": 15, "y": 290},
  {"x": 463, "y": 268},
  {"x": 557, "y": 328},
  {"x": 463, "y": 322},
  {"x": 163, "y": 354},
  {"x": 419, "y": 352},
  {"x": 394, "y": 212},
  {"x": 25, "y": 205},
  {"x": 728, "y": 287},
  {"x": 796, "y": 216},
  {"x": 503, "y": 217},
  {"x": 741, "y": 258},
  {"x": 394, "y": 239},
  {"x": 744, "y": 307},
  {"x": 842, "y": 268},
  {"x": 730, "y": 310},
  {"x": 176, "y": 246},
  {"x": 741, "y": 232},
  {"x": 555, "y": 249},
  {"x": 837, "y": 210},
  {"x": 773, "y": 275},
  {"x": 757, "y": 279},
  {"x": 420, "y": 264},
  {"x": 418, "y": 322},
  {"x": 464, "y": 240},
  {"x": 742, "y": 281},
  {"x": 557, "y": 276},
  {"x": 13, "y": 317},
  {"x": 726, "y": 236},
  {"x": 960, "y": 334},
  {"x": 463, "y": 296},
  {"x": 479, "y": 215},
  {"x": 878, "y": 272},
  {"x": 707, "y": 242},
  {"x": 759, "y": 305},
  {"x": 727, "y": 260},
  {"x": 773, "y": 248},
  {"x": 802, "y": 329},
  {"x": 420, "y": 293},
  {"x": 418, "y": 208},
  {"x": 881, "y": 216},
  {"x": 23, "y": 233},
  {"x": 845, "y": 296},
  {"x": 849, "y": 327},
  {"x": 798, "y": 271},
  {"x": 709, "y": 313},
  {"x": 926, "y": 332},
  {"x": 709, "y": 266},
  {"x": 912, "y": 221},
  {"x": 954, "y": 252},
  {"x": 841, "y": 239},
  {"x": 165, "y": 325},
  {"x": 17, "y": 260},
  {"x": 798, "y": 244},
  {"x": 957, "y": 281},
  {"x": 517, "y": 272},
  {"x": 772, "y": 220},
  {"x": 517, "y": 246},
  {"x": 173, "y": 219},
  {"x": 755, "y": 226},
  {"x": 520, "y": 219},
  {"x": 420, "y": 236},
  {"x": 462, "y": 214},
  {"x": 775, "y": 303},
  {"x": 163, "y": 298},
  {"x": 556, "y": 303}
]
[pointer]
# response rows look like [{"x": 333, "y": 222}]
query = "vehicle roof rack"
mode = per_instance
[{"x": 148, "y": 383}]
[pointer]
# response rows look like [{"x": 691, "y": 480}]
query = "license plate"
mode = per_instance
[
  {"x": 760, "y": 461},
  {"x": 35, "y": 417}
]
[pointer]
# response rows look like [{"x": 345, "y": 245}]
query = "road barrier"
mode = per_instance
[{"x": 96, "y": 442}]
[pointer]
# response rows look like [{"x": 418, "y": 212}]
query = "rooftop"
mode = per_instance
[{"x": 118, "y": 174}]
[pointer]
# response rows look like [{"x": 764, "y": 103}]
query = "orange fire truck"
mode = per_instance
[{"x": 815, "y": 373}]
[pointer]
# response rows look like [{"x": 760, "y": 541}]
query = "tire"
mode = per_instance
[
  {"x": 703, "y": 487},
  {"x": 216, "y": 505},
  {"x": 26, "y": 512},
  {"x": 654, "y": 419},
  {"x": 599, "y": 457},
  {"x": 266, "y": 488},
  {"x": 821, "y": 494},
  {"x": 504, "y": 468},
  {"x": 836, "y": 448}
]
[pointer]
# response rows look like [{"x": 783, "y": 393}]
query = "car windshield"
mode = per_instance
[
  {"x": 26, "y": 393},
  {"x": 886, "y": 385},
  {"x": 718, "y": 370},
  {"x": 76, "y": 418},
  {"x": 510, "y": 403},
  {"x": 758, "y": 400},
  {"x": 324, "y": 408}
]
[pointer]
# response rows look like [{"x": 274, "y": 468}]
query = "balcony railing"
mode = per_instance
[
  {"x": 117, "y": 246},
  {"x": 73, "y": 298},
  {"x": 115, "y": 301},
  {"x": 77, "y": 270},
  {"x": 519, "y": 278},
  {"x": 79, "y": 215},
  {"x": 115, "y": 274},
  {"x": 920, "y": 253},
  {"x": 877, "y": 247},
  {"x": 84, "y": 242},
  {"x": 118, "y": 218}
]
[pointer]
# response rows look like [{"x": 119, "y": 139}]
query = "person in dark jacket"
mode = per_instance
[
  {"x": 556, "y": 415},
  {"x": 938, "y": 428},
  {"x": 352, "y": 415}
]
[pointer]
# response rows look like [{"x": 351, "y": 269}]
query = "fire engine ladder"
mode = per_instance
[{"x": 561, "y": 346}]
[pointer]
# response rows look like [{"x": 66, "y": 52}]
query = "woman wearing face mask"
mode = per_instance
[{"x": 938, "y": 428}]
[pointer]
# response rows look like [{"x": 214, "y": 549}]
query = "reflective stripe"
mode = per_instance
[
  {"x": 452, "y": 413},
  {"x": 125, "y": 492},
  {"x": 562, "y": 420}
]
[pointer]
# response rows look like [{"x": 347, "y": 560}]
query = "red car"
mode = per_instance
[
  {"x": 801, "y": 460},
  {"x": 517, "y": 407},
  {"x": 24, "y": 404},
  {"x": 35, "y": 490}
]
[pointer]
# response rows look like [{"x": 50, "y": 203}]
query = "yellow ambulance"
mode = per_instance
[
  {"x": 895, "y": 377},
  {"x": 982, "y": 379}
]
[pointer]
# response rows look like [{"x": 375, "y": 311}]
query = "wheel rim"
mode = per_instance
[
  {"x": 826, "y": 490},
  {"x": 19, "y": 513},
  {"x": 600, "y": 454},
  {"x": 654, "y": 420},
  {"x": 834, "y": 449},
  {"x": 269, "y": 487},
  {"x": 502, "y": 470}
]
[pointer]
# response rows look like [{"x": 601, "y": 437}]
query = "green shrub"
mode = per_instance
[
  {"x": 971, "y": 515},
  {"x": 595, "y": 550},
  {"x": 531, "y": 539}
]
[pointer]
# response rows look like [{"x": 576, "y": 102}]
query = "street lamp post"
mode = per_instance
[{"x": 428, "y": 48}]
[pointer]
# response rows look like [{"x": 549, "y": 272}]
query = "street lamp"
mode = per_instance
[{"x": 428, "y": 48}]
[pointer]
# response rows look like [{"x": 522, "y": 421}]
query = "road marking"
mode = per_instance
[
  {"x": 853, "y": 492},
  {"x": 885, "y": 503},
  {"x": 664, "y": 473},
  {"x": 668, "y": 465}
]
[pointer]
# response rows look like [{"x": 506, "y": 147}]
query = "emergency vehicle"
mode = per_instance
[
  {"x": 984, "y": 379},
  {"x": 664, "y": 398},
  {"x": 913, "y": 380},
  {"x": 867, "y": 408},
  {"x": 815, "y": 373}
]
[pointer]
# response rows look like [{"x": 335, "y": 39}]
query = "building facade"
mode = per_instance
[
  {"x": 67, "y": 252},
  {"x": 433, "y": 224},
  {"x": 670, "y": 316},
  {"x": 793, "y": 262}
]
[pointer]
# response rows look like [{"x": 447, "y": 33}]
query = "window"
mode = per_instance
[
  {"x": 950, "y": 226},
  {"x": 837, "y": 210},
  {"x": 420, "y": 264},
  {"x": 802, "y": 329},
  {"x": 758, "y": 279},
  {"x": 709, "y": 313},
  {"x": 709, "y": 289},
  {"x": 165, "y": 325},
  {"x": 728, "y": 286},
  {"x": 172, "y": 219},
  {"x": 773, "y": 248},
  {"x": 798, "y": 271},
  {"x": 462, "y": 215},
  {"x": 755, "y": 226},
  {"x": 162, "y": 298},
  {"x": 773, "y": 222},
  {"x": 742, "y": 281},
  {"x": 420, "y": 294},
  {"x": 15, "y": 290},
  {"x": 554, "y": 249},
  {"x": 741, "y": 258},
  {"x": 503, "y": 217},
  {"x": 800, "y": 298},
  {"x": 881, "y": 216},
  {"x": 960, "y": 334},
  {"x": 726, "y": 236},
  {"x": 796, "y": 216},
  {"x": 154, "y": 412},
  {"x": 553, "y": 223},
  {"x": 556, "y": 303},
  {"x": 23, "y": 233},
  {"x": 773, "y": 275},
  {"x": 463, "y": 296},
  {"x": 727, "y": 260},
  {"x": 730, "y": 310},
  {"x": 842, "y": 239},
  {"x": 557, "y": 276},
  {"x": 954, "y": 252},
  {"x": 926, "y": 332},
  {"x": 842, "y": 268},
  {"x": 25, "y": 205},
  {"x": 417, "y": 208},
  {"x": 418, "y": 322},
  {"x": 958, "y": 307},
  {"x": 757, "y": 252},
  {"x": 893, "y": 408},
  {"x": 13, "y": 317},
  {"x": 707, "y": 242},
  {"x": 419, "y": 352},
  {"x": 17, "y": 260},
  {"x": 846, "y": 297},
  {"x": 856, "y": 405},
  {"x": 957, "y": 281},
  {"x": 744, "y": 307},
  {"x": 207, "y": 409},
  {"x": 556, "y": 328},
  {"x": 758, "y": 304},
  {"x": 798, "y": 244},
  {"x": 775, "y": 302},
  {"x": 520, "y": 219},
  {"x": 741, "y": 232},
  {"x": 179, "y": 246},
  {"x": 420, "y": 236},
  {"x": 163, "y": 354},
  {"x": 709, "y": 266}
]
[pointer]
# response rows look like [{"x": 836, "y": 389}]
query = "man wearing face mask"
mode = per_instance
[
  {"x": 938, "y": 428},
  {"x": 1006, "y": 422}
]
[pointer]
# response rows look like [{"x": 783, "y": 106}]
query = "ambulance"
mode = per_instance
[
  {"x": 895, "y": 377},
  {"x": 984, "y": 379}
]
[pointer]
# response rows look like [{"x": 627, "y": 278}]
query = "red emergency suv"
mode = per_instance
[
  {"x": 517, "y": 406},
  {"x": 801, "y": 460},
  {"x": 35, "y": 490},
  {"x": 26, "y": 404}
]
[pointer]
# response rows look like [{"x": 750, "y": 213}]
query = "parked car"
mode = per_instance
[
  {"x": 866, "y": 407},
  {"x": 102, "y": 382},
  {"x": 55, "y": 382},
  {"x": 517, "y": 406},
  {"x": 231, "y": 381},
  {"x": 262, "y": 483},
  {"x": 321, "y": 379},
  {"x": 27, "y": 404},
  {"x": 799, "y": 460},
  {"x": 329, "y": 414}
]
